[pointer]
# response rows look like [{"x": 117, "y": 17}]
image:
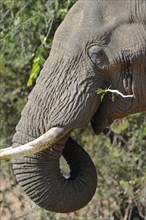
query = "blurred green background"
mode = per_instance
[{"x": 26, "y": 32}]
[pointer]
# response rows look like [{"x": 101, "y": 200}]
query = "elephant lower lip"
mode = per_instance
[
  {"x": 100, "y": 121},
  {"x": 99, "y": 131},
  {"x": 96, "y": 128}
]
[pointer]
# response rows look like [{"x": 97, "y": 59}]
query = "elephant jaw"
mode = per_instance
[{"x": 45, "y": 141}]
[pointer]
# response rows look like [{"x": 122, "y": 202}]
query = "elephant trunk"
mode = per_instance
[
  {"x": 41, "y": 178},
  {"x": 66, "y": 100}
]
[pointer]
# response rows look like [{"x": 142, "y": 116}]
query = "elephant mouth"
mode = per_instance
[{"x": 101, "y": 119}]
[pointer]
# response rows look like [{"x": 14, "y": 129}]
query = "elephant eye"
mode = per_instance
[{"x": 98, "y": 57}]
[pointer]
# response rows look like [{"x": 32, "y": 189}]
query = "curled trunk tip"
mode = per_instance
[{"x": 41, "y": 178}]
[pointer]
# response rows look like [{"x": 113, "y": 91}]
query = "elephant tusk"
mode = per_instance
[{"x": 44, "y": 141}]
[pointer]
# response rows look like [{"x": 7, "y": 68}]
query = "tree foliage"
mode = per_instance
[{"x": 27, "y": 30}]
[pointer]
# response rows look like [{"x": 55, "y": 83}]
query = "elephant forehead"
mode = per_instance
[
  {"x": 129, "y": 37},
  {"x": 92, "y": 20},
  {"x": 79, "y": 24},
  {"x": 88, "y": 16}
]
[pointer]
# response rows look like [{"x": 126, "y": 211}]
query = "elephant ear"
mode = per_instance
[{"x": 40, "y": 177}]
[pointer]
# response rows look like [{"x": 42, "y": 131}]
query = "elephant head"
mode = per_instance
[{"x": 100, "y": 44}]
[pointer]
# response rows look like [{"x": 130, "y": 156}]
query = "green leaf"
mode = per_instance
[
  {"x": 120, "y": 125},
  {"x": 37, "y": 64},
  {"x": 113, "y": 97},
  {"x": 101, "y": 93}
]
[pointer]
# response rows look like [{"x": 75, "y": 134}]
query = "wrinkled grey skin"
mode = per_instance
[{"x": 100, "y": 44}]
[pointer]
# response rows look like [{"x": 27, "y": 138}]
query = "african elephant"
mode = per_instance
[{"x": 100, "y": 44}]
